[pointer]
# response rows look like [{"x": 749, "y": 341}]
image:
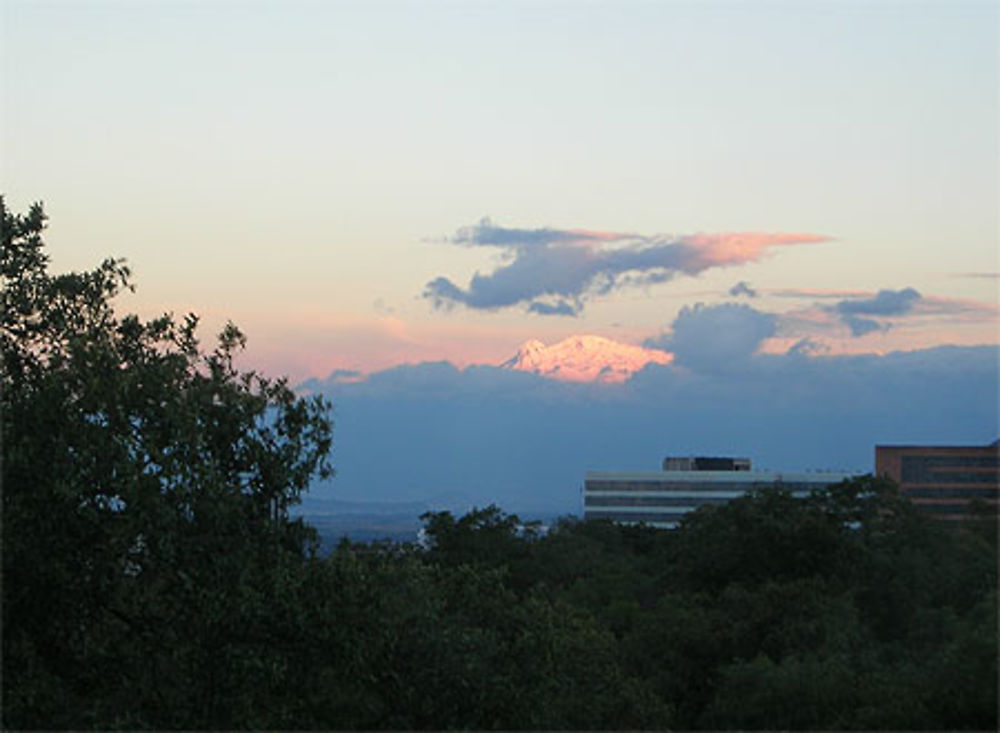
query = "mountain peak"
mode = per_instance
[
  {"x": 584, "y": 358},
  {"x": 531, "y": 347}
]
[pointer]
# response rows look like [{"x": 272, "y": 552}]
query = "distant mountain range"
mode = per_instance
[
  {"x": 393, "y": 521},
  {"x": 584, "y": 359}
]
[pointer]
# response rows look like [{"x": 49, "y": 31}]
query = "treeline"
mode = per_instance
[
  {"x": 153, "y": 578},
  {"x": 847, "y": 610},
  {"x": 844, "y": 611}
]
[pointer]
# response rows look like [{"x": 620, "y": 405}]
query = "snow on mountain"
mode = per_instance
[{"x": 584, "y": 359}]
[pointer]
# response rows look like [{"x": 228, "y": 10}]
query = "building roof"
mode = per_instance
[{"x": 736, "y": 477}]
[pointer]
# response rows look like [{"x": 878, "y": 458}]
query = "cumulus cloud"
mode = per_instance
[
  {"x": 419, "y": 431},
  {"x": 559, "y": 308},
  {"x": 807, "y": 347},
  {"x": 883, "y": 303},
  {"x": 336, "y": 378},
  {"x": 554, "y": 271},
  {"x": 865, "y": 312},
  {"x": 345, "y": 375},
  {"x": 486, "y": 233},
  {"x": 742, "y": 288},
  {"x": 712, "y": 338},
  {"x": 856, "y": 313},
  {"x": 860, "y": 326}
]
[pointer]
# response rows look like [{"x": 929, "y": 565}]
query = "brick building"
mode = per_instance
[{"x": 943, "y": 480}]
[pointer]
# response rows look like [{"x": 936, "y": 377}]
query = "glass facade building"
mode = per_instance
[{"x": 662, "y": 498}]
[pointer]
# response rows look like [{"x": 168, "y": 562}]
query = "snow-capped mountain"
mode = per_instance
[{"x": 584, "y": 359}]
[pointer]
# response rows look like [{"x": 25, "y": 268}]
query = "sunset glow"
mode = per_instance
[{"x": 355, "y": 197}]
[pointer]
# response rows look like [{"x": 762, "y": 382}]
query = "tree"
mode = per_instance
[
  {"x": 483, "y": 536},
  {"x": 146, "y": 487}
]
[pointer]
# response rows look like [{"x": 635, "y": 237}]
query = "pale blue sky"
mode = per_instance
[{"x": 295, "y": 166}]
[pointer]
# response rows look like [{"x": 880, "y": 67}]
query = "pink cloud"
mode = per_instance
[
  {"x": 931, "y": 321},
  {"x": 817, "y": 293},
  {"x": 963, "y": 309},
  {"x": 555, "y": 271},
  {"x": 593, "y": 235},
  {"x": 734, "y": 248}
]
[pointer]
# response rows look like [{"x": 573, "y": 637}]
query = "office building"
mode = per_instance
[
  {"x": 942, "y": 480},
  {"x": 662, "y": 498}
]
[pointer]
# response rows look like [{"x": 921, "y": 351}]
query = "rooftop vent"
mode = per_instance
[{"x": 705, "y": 463}]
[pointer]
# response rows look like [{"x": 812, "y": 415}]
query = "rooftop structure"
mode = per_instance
[{"x": 705, "y": 463}]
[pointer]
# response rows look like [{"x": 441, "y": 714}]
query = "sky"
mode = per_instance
[{"x": 365, "y": 186}]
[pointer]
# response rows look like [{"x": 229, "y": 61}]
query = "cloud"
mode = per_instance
[
  {"x": 958, "y": 309},
  {"x": 853, "y": 312},
  {"x": 559, "y": 308},
  {"x": 883, "y": 303},
  {"x": 336, "y": 377},
  {"x": 420, "y": 431},
  {"x": 865, "y": 312},
  {"x": 860, "y": 326},
  {"x": 816, "y": 293},
  {"x": 862, "y": 312},
  {"x": 742, "y": 288},
  {"x": 714, "y": 338},
  {"x": 345, "y": 375},
  {"x": 486, "y": 233},
  {"x": 989, "y": 275},
  {"x": 807, "y": 347},
  {"x": 551, "y": 271}
]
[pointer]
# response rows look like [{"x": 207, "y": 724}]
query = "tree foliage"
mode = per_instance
[{"x": 146, "y": 486}]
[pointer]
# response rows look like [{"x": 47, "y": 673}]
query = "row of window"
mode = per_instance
[
  {"x": 654, "y": 500},
  {"x": 635, "y": 516},
  {"x": 972, "y": 493},
  {"x": 732, "y": 486},
  {"x": 921, "y": 469},
  {"x": 954, "y": 477},
  {"x": 991, "y": 460},
  {"x": 949, "y": 508}
]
